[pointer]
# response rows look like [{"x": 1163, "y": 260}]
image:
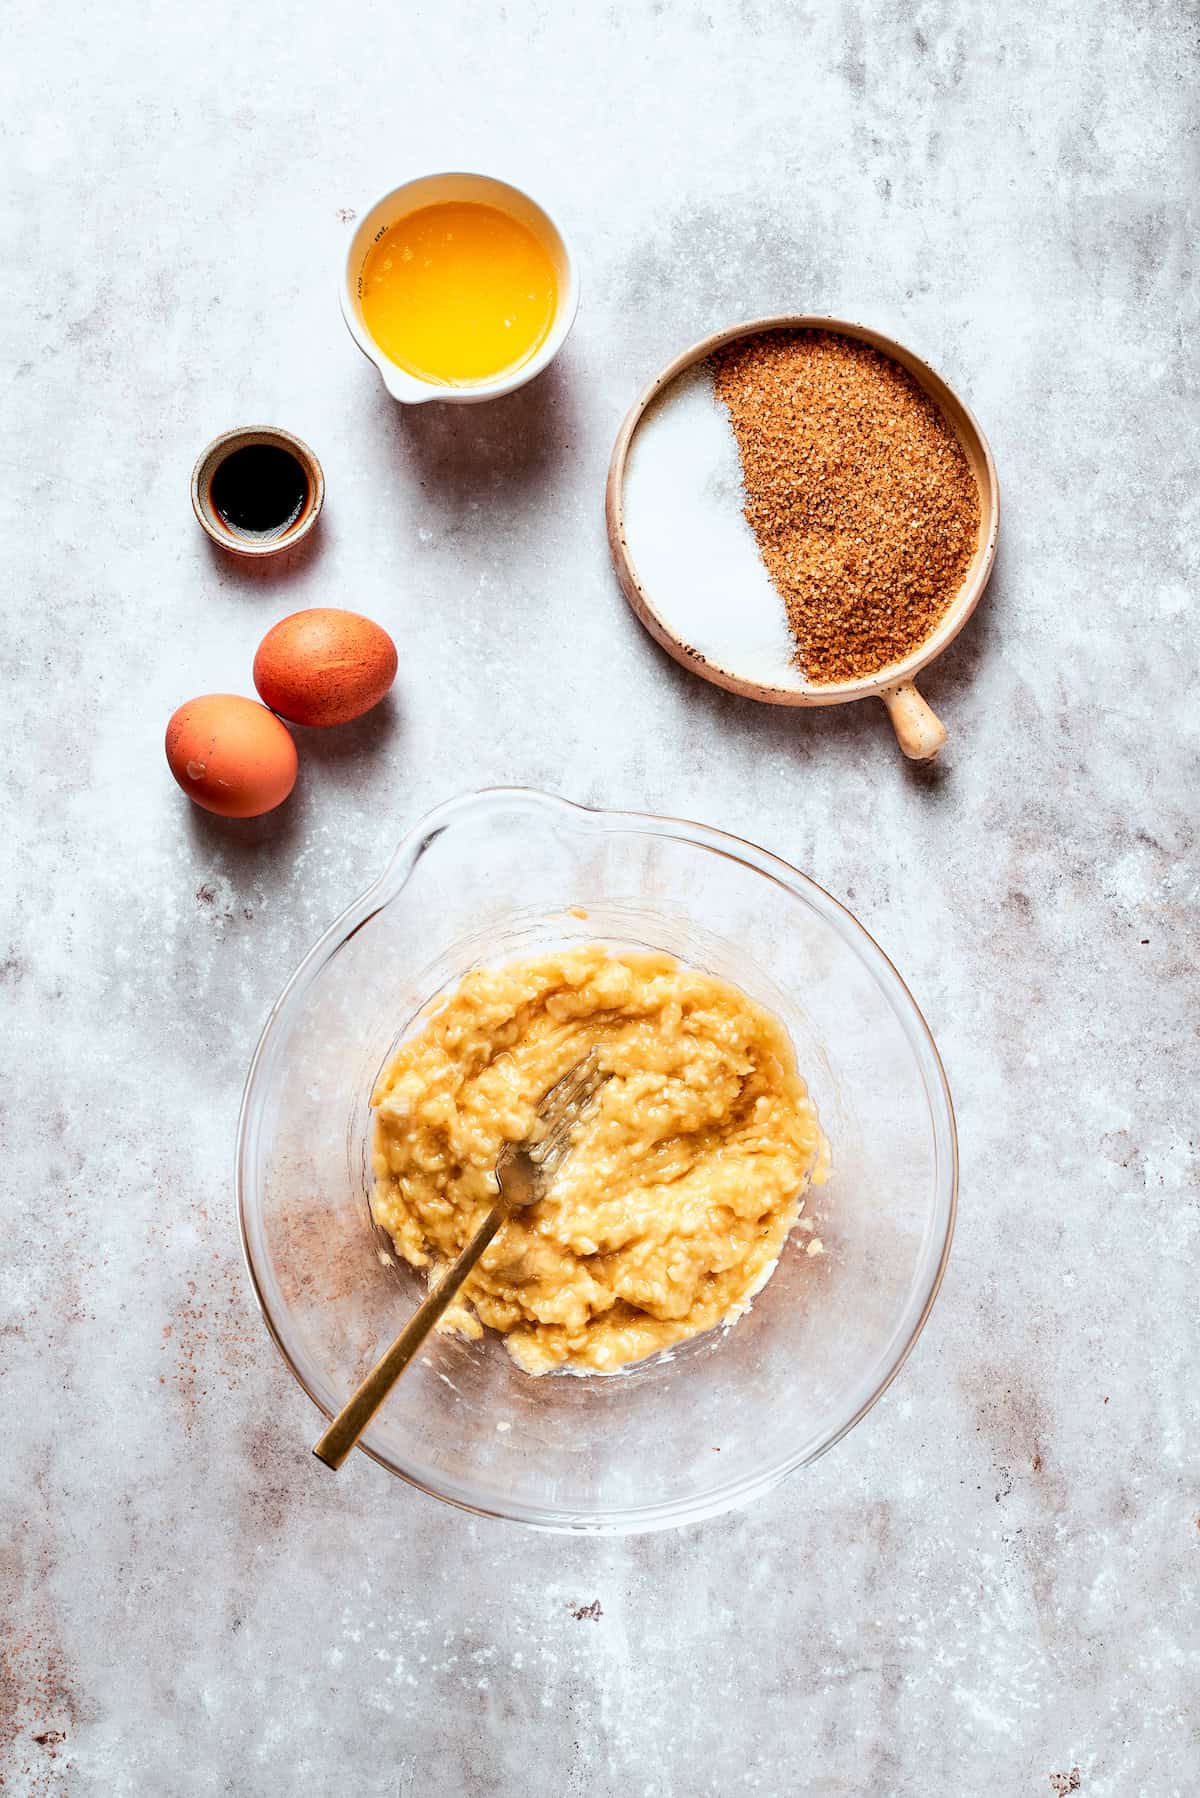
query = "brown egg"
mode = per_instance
[
  {"x": 324, "y": 666},
  {"x": 231, "y": 755}
]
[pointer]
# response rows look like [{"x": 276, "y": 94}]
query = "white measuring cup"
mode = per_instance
[{"x": 434, "y": 190}]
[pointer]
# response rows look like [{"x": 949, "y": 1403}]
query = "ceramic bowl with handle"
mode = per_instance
[{"x": 731, "y": 664}]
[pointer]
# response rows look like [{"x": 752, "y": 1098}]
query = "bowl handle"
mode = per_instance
[{"x": 919, "y": 731}]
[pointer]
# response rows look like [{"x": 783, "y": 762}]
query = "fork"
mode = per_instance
[{"x": 523, "y": 1172}]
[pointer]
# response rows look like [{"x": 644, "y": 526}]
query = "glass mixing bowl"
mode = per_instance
[{"x": 711, "y": 1422}]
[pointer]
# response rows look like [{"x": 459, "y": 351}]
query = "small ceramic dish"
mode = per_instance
[
  {"x": 256, "y": 543},
  {"x": 731, "y": 654},
  {"x": 434, "y": 190}
]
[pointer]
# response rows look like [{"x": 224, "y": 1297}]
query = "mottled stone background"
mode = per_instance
[{"x": 990, "y": 1586}]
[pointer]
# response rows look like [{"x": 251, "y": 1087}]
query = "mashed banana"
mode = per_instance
[{"x": 683, "y": 1181}]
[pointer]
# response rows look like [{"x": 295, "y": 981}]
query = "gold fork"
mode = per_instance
[{"x": 522, "y": 1173}]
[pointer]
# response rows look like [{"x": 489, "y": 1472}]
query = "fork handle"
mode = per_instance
[{"x": 361, "y": 1407}]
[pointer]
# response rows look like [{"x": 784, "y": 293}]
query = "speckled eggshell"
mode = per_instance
[
  {"x": 231, "y": 755},
  {"x": 324, "y": 666}
]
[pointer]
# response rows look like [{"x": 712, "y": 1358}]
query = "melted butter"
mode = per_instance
[{"x": 459, "y": 293}]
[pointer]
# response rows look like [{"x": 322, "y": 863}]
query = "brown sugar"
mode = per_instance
[{"x": 864, "y": 506}]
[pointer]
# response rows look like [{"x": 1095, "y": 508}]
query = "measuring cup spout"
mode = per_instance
[{"x": 405, "y": 387}]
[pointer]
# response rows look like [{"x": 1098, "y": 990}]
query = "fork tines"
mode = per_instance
[{"x": 562, "y": 1108}]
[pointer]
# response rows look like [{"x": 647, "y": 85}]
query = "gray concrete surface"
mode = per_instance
[{"x": 990, "y": 1586}]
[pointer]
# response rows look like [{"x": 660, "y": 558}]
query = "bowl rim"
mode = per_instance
[{"x": 665, "y": 1513}]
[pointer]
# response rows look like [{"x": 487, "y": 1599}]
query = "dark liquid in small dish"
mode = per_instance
[{"x": 260, "y": 491}]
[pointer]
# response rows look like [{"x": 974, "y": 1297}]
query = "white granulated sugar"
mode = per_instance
[{"x": 687, "y": 535}]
